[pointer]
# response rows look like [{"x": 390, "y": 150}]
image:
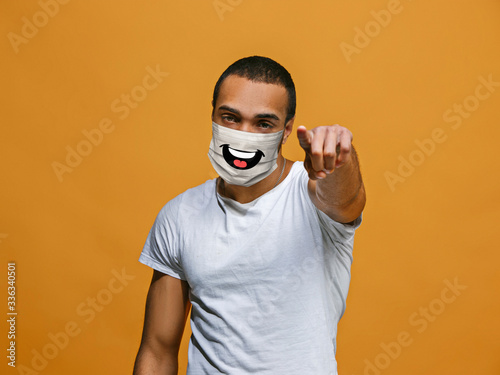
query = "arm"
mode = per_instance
[
  {"x": 335, "y": 184},
  {"x": 167, "y": 308}
]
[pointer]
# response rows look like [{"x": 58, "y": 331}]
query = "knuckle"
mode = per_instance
[{"x": 329, "y": 154}]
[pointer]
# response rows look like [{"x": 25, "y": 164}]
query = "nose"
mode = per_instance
[{"x": 246, "y": 126}]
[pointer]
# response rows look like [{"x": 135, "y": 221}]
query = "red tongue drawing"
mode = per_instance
[{"x": 240, "y": 163}]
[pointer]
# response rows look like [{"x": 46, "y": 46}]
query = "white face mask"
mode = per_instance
[{"x": 243, "y": 158}]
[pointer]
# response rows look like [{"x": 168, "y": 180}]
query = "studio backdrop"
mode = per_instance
[{"x": 106, "y": 116}]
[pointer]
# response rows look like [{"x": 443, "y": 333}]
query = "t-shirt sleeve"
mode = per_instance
[
  {"x": 161, "y": 250},
  {"x": 338, "y": 232},
  {"x": 342, "y": 231}
]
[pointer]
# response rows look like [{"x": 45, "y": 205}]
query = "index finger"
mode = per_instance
[{"x": 305, "y": 137}]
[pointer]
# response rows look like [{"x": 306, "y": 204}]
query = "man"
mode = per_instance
[{"x": 261, "y": 254}]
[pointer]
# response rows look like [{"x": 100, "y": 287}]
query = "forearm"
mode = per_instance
[
  {"x": 341, "y": 193},
  {"x": 149, "y": 363}
]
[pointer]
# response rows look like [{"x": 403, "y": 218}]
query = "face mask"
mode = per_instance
[{"x": 243, "y": 158}]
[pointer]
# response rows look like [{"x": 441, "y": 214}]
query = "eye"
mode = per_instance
[
  {"x": 229, "y": 118},
  {"x": 265, "y": 125}
]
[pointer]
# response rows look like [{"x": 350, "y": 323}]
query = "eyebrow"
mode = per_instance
[{"x": 259, "y": 115}]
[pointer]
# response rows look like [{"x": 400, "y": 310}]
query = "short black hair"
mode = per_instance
[{"x": 261, "y": 69}]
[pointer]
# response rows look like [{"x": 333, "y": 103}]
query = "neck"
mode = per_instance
[{"x": 245, "y": 194}]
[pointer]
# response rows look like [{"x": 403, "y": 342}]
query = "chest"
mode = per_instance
[{"x": 224, "y": 251}]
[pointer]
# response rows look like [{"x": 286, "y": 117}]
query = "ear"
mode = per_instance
[{"x": 288, "y": 129}]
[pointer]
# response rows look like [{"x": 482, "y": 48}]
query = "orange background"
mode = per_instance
[{"x": 69, "y": 238}]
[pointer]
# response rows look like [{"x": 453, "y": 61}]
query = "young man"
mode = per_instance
[{"x": 262, "y": 254}]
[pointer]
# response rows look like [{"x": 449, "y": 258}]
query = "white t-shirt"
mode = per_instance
[{"x": 268, "y": 279}]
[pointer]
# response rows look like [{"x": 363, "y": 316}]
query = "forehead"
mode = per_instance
[{"x": 241, "y": 93}]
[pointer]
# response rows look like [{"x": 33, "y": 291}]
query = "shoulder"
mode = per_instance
[
  {"x": 193, "y": 199},
  {"x": 295, "y": 171},
  {"x": 299, "y": 180},
  {"x": 297, "y": 176},
  {"x": 297, "y": 168}
]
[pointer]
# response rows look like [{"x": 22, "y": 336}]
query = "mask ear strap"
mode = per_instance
[
  {"x": 282, "y": 142},
  {"x": 281, "y": 174}
]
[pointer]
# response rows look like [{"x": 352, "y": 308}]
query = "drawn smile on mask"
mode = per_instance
[{"x": 241, "y": 159}]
